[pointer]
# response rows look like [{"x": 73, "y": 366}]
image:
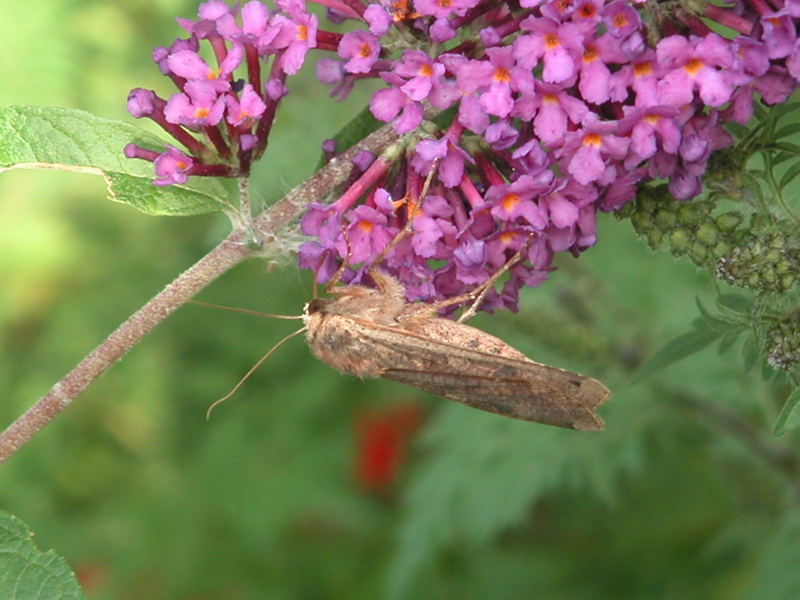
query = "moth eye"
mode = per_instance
[{"x": 314, "y": 306}]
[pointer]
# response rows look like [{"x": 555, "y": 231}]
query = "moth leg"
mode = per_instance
[
  {"x": 352, "y": 290},
  {"x": 340, "y": 271},
  {"x": 484, "y": 289},
  {"x": 476, "y": 296},
  {"x": 389, "y": 286},
  {"x": 403, "y": 233}
]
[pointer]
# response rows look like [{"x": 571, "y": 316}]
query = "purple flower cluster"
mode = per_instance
[
  {"x": 223, "y": 119},
  {"x": 552, "y": 111},
  {"x": 562, "y": 108}
]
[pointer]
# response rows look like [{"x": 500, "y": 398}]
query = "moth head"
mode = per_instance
[{"x": 314, "y": 306}]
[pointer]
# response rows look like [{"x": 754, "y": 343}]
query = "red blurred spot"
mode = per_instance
[
  {"x": 383, "y": 439},
  {"x": 91, "y": 575}
]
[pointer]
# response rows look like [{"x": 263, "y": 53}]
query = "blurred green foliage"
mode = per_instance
[{"x": 147, "y": 499}]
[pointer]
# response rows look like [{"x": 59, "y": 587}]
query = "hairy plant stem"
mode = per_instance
[{"x": 230, "y": 252}]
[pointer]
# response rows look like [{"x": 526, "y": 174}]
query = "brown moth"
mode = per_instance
[{"x": 376, "y": 333}]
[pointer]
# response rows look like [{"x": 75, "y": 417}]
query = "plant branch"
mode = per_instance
[
  {"x": 230, "y": 252},
  {"x": 227, "y": 254}
]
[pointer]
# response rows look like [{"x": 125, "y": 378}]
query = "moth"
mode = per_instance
[{"x": 375, "y": 333}]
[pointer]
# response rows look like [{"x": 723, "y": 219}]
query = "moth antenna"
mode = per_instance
[
  {"x": 245, "y": 311},
  {"x": 252, "y": 370}
]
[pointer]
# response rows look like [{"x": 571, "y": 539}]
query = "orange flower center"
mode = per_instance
[
  {"x": 593, "y": 139},
  {"x": 402, "y": 11},
  {"x": 590, "y": 55},
  {"x": 202, "y": 113},
  {"x": 642, "y": 69},
  {"x": 551, "y": 41},
  {"x": 426, "y": 70},
  {"x": 619, "y": 20},
  {"x": 652, "y": 119},
  {"x": 550, "y": 99},
  {"x": 364, "y": 51},
  {"x": 365, "y": 226},
  {"x": 510, "y": 201},
  {"x": 693, "y": 66},
  {"x": 302, "y": 33},
  {"x": 507, "y": 237},
  {"x": 502, "y": 75},
  {"x": 587, "y": 11}
]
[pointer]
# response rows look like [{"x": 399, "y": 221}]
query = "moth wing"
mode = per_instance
[
  {"x": 496, "y": 381},
  {"x": 511, "y": 397}
]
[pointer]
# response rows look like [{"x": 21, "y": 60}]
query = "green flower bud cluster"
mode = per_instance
[
  {"x": 783, "y": 341},
  {"x": 766, "y": 258},
  {"x": 689, "y": 228},
  {"x": 762, "y": 254}
]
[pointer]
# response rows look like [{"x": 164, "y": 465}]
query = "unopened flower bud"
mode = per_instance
[
  {"x": 698, "y": 252},
  {"x": 642, "y": 222},
  {"x": 679, "y": 241},
  {"x": 666, "y": 220},
  {"x": 707, "y": 234},
  {"x": 729, "y": 221}
]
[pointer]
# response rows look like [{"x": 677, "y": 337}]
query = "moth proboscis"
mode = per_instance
[{"x": 376, "y": 333}]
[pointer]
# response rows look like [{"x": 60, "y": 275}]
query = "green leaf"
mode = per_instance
[
  {"x": 739, "y": 131},
  {"x": 28, "y": 574},
  {"x": 785, "y": 146},
  {"x": 728, "y": 340},
  {"x": 735, "y": 303},
  {"x": 790, "y": 414},
  {"x": 702, "y": 309},
  {"x": 169, "y": 200},
  {"x": 787, "y": 130},
  {"x": 677, "y": 349},
  {"x": 782, "y": 110},
  {"x": 750, "y": 352},
  {"x": 445, "y": 118},
  {"x": 782, "y": 157},
  {"x": 706, "y": 319},
  {"x": 777, "y": 576},
  {"x": 790, "y": 174},
  {"x": 74, "y": 140}
]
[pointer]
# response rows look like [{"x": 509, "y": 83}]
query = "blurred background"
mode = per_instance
[{"x": 313, "y": 485}]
